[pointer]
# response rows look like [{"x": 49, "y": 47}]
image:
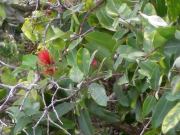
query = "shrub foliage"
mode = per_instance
[{"x": 91, "y": 67}]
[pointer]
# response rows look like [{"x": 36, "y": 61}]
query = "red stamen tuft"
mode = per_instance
[{"x": 45, "y": 58}]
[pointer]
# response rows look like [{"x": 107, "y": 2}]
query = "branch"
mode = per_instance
[
  {"x": 145, "y": 127},
  {"x": 13, "y": 90},
  {"x": 7, "y": 65},
  {"x": 3, "y": 124},
  {"x": 99, "y": 3},
  {"x": 48, "y": 117},
  {"x": 82, "y": 34}
]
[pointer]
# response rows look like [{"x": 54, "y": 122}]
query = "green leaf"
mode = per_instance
[
  {"x": 154, "y": 20},
  {"x": 120, "y": 33},
  {"x": 167, "y": 32},
  {"x": 177, "y": 34},
  {"x": 98, "y": 93},
  {"x": 68, "y": 124},
  {"x": 172, "y": 47},
  {"x": 58, "y": 44},
  {"x": 105, "y": 20},
  {"x": 173, "y": 96},
  {"x": 29, "y": 61},
  {"x": 64, "y": 108},
  {"x": 130, "y": 53},
  {"x": 161, "y": 109},
  {"x": 122, "y": 96},
  {"x": 175, "y": 83},
  {"x": 85, "y": 123},
  {"x": 102, "y": 53},
  {"x": 161, "y": 7},
  {"x": 75, "y": 74},
  {"x": 112, "y": 7},
  {"x": 116, "y": 8},
  {"x": 38, "y": 130},
  {"x": 152, "y": 132},
  {"x": 30, "y": 76},
  {"x": 83, "y": 60},
  {"x": 133, "y": 97},
  {"x": 21, "y": 124},
  {"x": 123, "y": 80},
  {"x": 31, "y": 110},
  {"x": 102, "y": 113},
  {"x": 74, "y": 43},
  {"x": 171, "y": 119},
  {"x": 27, "y": 29},
  {"x": 54, "y": 33},
  {"x": 173, "y": 9},
  {"x": 2, "y": 13},
  {"x": 162, "y": 35},
  {"x": 3, "y": 93},
  {"x": 7, "y": 77},
  {"x": 118, "y": 62},
  {"x": 72, "y": 58},
  {"x": 148, "y": 105},
  {"x": 152, "y": 71},
  {"x": 88, "y": 4},
  {"x": 149, "y": 9},
  {"x": 102, "y": 39}
]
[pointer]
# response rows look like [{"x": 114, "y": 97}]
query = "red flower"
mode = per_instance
[
  {"x": 47, "y": 61},
  {"x": 94, "y": 63},
  {"x": 45, "y": 58}
]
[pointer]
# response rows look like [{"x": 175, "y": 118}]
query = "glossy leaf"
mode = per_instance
[
  {"x": 171, "y": 119},
  {"x": 102, "y": 113},
  {"x": 22, "y": 122},
  {"x": 27, "y": 29},
  {"x": 85, "y": 123},
  {"x": 130, "y": 53},
  {"x": 98, "y": 93},
  {"x": 154, "y": 20},
  {"x": 162, "y": 107},
  {"x": 29, "y": 61},
  {"x": 64, "y": 108},
  {"x": 173, "y": 9},
  {"x": 148, "y": 105},
  {"x": 105, "y": 20},
  {"x": 83, "y": 60},
  {"x": 75, "y": 74}
]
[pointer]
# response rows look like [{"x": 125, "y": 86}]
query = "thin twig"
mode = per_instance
[
  {"x": 25, "y": 132},
  {"x": 4, "y": 124},
  {"x": 82, "y": 34},
  {"x": 37, "y": 4},
  {"x": 7, "y": 65},
  {"x": 61, "y": 88},
  {"x": 24, "y": 99},
  {"x": 12, "y": 91},
  {"x": 48, "y": 127},
  {"x": 42, "y": 116},
  {"x": 37, "y": 123},
  {"x": 53, "y": 97},
  {"x": 58, "y": 126},
  {"x": 145, "y": 127},
  {"x": 87, "y": 15}
]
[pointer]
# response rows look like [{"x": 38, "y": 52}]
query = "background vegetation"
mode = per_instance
[{"x": 89, "y": 67}]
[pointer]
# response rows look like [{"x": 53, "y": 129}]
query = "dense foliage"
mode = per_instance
[{"x": 89, "y": 67}]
